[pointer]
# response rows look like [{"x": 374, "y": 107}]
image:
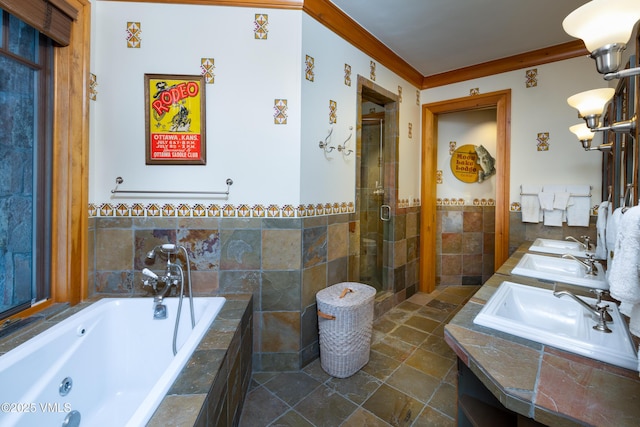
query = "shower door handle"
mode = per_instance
[{"x": 385, "y": 212}]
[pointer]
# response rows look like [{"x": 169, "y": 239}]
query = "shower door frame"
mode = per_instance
[{"x": 368, "y": 90}]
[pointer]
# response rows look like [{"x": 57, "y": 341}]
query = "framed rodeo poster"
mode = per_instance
[{"x": 175, "y": 119}]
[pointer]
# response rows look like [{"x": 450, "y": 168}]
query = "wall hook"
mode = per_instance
[
  {"x": 324, "y": 145},
  {"x": 343, "y": 148}
]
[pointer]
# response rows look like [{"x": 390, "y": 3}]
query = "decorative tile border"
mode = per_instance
[
  {"x": 199, "y": 210},
  {"x": 461, "y": 202},
  {"x": 517, "y": 207}
]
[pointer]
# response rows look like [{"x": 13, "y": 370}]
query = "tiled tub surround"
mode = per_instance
[
  {"x": 537, "y": 381},
  {"x": 210, "y": 389},
  {"x": 283, "y": 262}
]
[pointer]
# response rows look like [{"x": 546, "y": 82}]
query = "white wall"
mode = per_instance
[
  {"x": 327, "y": 177},
  {"x": 269, "y": 163},
  {"x": 243, "y": 143},
  {"x": 465, "y": 128},
  {"x": 539, "y": 109}
]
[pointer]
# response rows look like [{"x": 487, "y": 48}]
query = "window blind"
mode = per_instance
[{"x": 52, "y": 18}]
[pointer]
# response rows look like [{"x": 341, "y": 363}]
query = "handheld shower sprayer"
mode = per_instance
[{"x": 167, "y": 249}]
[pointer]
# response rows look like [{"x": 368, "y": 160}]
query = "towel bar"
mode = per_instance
[
  {"x": 119, "y": 181},
  {"x": 570, "y": 195}
]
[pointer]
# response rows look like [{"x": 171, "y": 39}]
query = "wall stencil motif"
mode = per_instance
[
  {"x": 399, "y": 93},
  {"x": 333, "y": 112},
  {"x": 417, "y": 97},
  {"x": 532, "y": 77},
  {"x": 372, "y": 70},
  {"x": 93, "y": 84},
  {"x": 474, "y": 91},
  {"x": 206, "y": 66},
  {"x": 347, "y": 75},
  {"x": 309, "y": 65},
  {"x": 261, "y": 22},
  {"x": 410, "y": 130},
  {"x": 439, "y": 177},
  {"x": 543, "y": 141},
  {"x": 280, "y": 114},
  {"x": 134, "y": 32},
  {"x": 452, "y": 147}
]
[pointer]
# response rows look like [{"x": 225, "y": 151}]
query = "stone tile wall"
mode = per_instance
[
  {"x": 465, "y": 244},
  {"x": 282, "y": 262}
]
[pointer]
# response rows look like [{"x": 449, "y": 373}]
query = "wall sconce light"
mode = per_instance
[
  {"x": 590, "y": 104},
  {"x": 585, "y": 136},
  {"x": 605, "y": 26}
]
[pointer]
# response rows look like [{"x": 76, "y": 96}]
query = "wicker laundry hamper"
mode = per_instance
[{"x": 345, "y": 320}]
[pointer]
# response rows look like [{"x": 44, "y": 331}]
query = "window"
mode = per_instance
[{"x": 26, "y": 77}]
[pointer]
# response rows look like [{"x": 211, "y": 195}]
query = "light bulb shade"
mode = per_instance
[
  {"x": 591, "y": 102},
  {"x": 582, "y": 132},
  {"x": 603, "y": 22}
]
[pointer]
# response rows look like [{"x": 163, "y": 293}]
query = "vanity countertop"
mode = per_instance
[{"x": 554, "y": 387}]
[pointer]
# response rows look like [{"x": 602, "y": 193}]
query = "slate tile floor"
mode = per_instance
[{"x": 410, "y": 379}]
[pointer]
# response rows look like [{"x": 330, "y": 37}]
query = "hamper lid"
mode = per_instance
[{"x": 354, "y": 293}]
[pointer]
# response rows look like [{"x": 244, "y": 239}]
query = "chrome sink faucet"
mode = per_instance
[
  {"x": 585, "y": 244},
  {"x": 589, "y": 263},
  {"x": 599, "y": 311}
]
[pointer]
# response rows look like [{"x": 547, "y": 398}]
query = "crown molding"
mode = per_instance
[
  {"x": 528, "y": 59},
  {"x": 270, "y": 4},
  {"x": 340, "y": 23}
]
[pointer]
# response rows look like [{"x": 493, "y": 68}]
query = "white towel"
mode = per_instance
[
  {"x": 546, "y": 200},
  {"x": 530, "y": 204},
  {"x": 611, "y": 235},
  {"x": 624, "y": 270},
  {"x": 561, "y": 200},
  {"x": 601, "y": 228},
  {"x": 552, "y": 217},
  {"x": 579, "y": 206}
]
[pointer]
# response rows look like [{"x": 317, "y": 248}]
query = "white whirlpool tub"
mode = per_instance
[{"x": 110, "y": 364}]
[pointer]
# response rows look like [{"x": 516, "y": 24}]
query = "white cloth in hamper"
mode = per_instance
[
  {"x": 624, "y": 270},
  {"x": 579, "y": 205},
  {"x": 530, "y": 204},
  {"x": 601, "y": 228}
]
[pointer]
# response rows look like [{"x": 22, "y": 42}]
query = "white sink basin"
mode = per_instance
[
  {"x": 558, "y": 247},
  {"x": 560, "y": 270},
  {"x": 536, "y": 314}
]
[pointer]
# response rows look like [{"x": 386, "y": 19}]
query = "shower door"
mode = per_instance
[{"x": 374, "y": 212}]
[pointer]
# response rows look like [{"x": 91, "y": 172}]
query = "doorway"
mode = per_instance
[
  {"x": 501, "y": 101},
  {"x": 376, "y": 184}
]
